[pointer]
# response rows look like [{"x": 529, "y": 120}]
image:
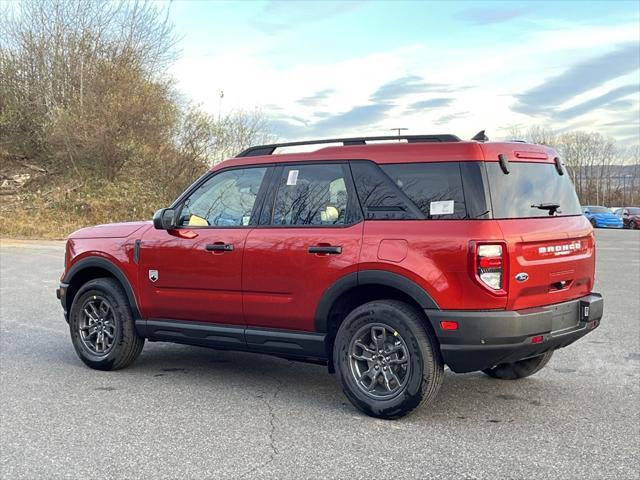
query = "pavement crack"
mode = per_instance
[{"x": 267, "y": 401}]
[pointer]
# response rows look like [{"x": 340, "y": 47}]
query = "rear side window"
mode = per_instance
[
  {"x": 380, "y": 198},
  {"x": 529, "y": 184},
  {"x": 435, "y": 188}
]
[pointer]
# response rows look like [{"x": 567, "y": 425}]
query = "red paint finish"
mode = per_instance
[
  {"x": 118, "y": 250},
  {"x": 436, "y": 258},
  {"x": 193, "y": 283},
  {"x": 529, "y": 242},
  {"x": 393, "y": 250},
  {"x": 385, "y": 153},
  {"x": 283, "y": 282}
]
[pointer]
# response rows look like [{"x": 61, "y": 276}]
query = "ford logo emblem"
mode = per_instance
[{"x": 522, "y": 277}]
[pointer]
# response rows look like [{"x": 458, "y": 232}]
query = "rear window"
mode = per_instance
[
  {"x": 528, "y": 184},
  {"x": 633, "y": 211}
]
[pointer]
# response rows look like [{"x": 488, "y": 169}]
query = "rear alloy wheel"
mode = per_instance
[
  {"x": 520, "y": 369},
  {"x": 102, "y": 326},
  {"x": 633, "y": 225},
  {"x": 386, "y": 359},
  {"x": 379, "y": 361},
  {"x": 593, "y": 222}
]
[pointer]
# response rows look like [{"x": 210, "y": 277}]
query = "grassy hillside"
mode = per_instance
[{"x": 39, "y": 204}]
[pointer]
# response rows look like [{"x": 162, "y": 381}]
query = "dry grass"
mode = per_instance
[{"x": 55, "y": 209}]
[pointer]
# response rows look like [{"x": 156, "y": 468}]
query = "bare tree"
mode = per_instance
[
  {"x": 51, "y": 50},
  {"x": 239, "y": 130},
  {"x": 602, "y": 172}
]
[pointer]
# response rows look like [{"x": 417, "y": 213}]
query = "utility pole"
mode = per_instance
[
  {"x": 220, "y": 105},
  {"x": 398, "y": 129},
  {"x": 624, "y": 190}
]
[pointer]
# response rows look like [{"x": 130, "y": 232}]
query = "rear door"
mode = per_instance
[
  {"x": 310, "y": 236},
  {"x": 194, "y": 271},
  {"x": 551, "y": 250}
]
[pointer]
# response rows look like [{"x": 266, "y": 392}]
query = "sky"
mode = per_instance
[{"x": 335, "y": 69}]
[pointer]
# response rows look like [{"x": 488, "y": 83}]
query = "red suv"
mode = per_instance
[{"x": 383, "y": 259}]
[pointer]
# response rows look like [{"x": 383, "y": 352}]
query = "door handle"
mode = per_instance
[
  {"x": 219, "y": 247},
  {"x": 334, "y": 250}
]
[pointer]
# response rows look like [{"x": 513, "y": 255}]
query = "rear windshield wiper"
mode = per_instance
[{"x": 552, "y": 207}]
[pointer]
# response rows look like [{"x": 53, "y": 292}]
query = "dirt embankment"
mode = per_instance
[{"x": 41, "y": 204}]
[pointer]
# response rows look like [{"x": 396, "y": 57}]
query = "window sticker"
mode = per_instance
[
  {"x": 441, "y": 208},
  {"x": 292, "y": 179}
]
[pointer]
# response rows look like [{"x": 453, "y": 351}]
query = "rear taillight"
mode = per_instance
[{"x": 488, "y": 261}]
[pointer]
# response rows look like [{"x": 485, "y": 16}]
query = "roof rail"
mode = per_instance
[{"x": 269, "y": 149}]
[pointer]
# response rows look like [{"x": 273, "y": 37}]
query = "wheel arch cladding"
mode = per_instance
[
  {"x": 358, "y": 288},
  {"x": 96, "y": 267}
]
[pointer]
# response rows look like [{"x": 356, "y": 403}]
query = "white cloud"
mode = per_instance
[{"x": 250, "y": 79}]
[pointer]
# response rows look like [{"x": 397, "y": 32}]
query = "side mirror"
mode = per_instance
[
  {"x": 625, "y": 214},
  {"x": 164, "y": 219},
  {"x": 587, "y": 212}
]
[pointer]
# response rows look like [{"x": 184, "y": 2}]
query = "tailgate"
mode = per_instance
[{"x": 551, "y": 260}]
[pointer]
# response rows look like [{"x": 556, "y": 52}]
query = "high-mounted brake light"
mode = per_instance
[{"x": 489, "y": 266}]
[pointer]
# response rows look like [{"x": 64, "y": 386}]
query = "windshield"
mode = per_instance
[
  {"x": 531, "y": 190},
  {"x": 597, "y": 209}
]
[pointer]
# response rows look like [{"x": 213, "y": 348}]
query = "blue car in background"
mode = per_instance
[{"x": 601, "y": 217}]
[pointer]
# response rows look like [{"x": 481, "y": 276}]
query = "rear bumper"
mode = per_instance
[{"x": 486, "y": 338}]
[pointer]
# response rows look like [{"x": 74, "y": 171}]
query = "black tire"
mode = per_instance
[
  {"x": 520, "y": 369},
  {"x": 632, "y": 225},
  {"x": 125, "y": 345},
  {"x": 417, "y": 380},
  {"x": 593, "y": 222}
]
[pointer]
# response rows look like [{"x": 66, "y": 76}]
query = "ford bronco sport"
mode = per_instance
[{"x": 384, "y": 258}]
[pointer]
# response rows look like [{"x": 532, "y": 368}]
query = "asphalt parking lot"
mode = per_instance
[{"x": 189, "y": 412}]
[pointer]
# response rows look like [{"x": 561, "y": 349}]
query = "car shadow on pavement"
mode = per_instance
[{"x": 462, "y": 397}]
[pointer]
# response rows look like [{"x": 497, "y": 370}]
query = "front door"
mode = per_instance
[
  {"x": 194, "y": 271},
  {"x": 309, "y": 238}
]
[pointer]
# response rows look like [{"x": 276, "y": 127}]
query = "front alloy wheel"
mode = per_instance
[{"x": 97, "y": 326}]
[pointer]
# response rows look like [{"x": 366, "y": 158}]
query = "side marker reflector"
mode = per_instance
[
  {"x": 448, "y": 325},
  {"x": 537, "y": 339}
]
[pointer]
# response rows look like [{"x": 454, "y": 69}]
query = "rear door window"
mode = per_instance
[
  {"x": 515, "y": 195},
  {"x": 314, "y": 194}
]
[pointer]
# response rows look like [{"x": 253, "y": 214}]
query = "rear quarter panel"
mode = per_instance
[{"x": 436, "y": 257}]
